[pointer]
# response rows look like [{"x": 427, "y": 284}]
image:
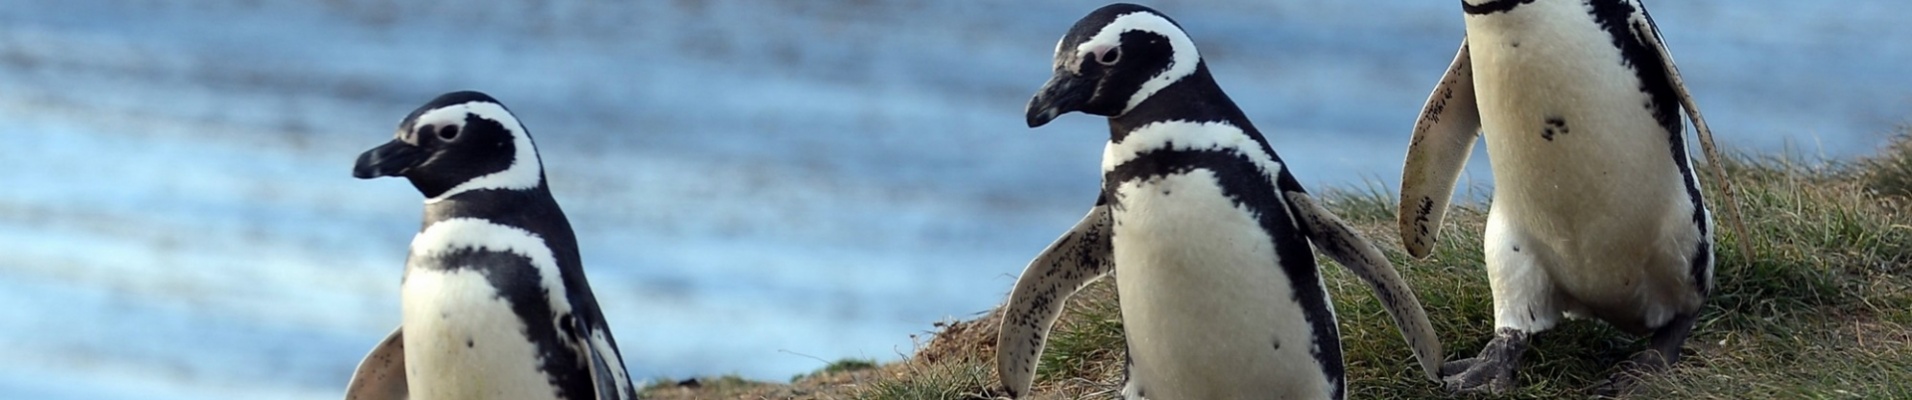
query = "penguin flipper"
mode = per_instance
[
  {"x": 1650, "y": 36},
  {"x": 381, "y": 376},
  {"x": 1073, "y": 261},
  {"x": 1443, "y": 139},
  {"x": 1340, "y": 242}
]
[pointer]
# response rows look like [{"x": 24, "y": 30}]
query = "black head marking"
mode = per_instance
[
  {"x": 457, "y": 142},
  {"x": 1111, "y": 60},
  {"x": 447, "y": 100}
]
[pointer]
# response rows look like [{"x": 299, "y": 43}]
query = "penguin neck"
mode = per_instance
[
  {"x": 1194, "y": 98},
  {"x": 530, "y": 209},
  {"x": 533, "y": 210}
]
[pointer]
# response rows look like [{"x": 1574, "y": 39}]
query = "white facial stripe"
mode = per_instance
[
  {"x": 1186, "y": 135},
  {"x": 1066, "y": 62},
  {"x": 526, "y": 169},
  {"x": 471, "y": 233},
  {"x": 1183, "y": 63}
]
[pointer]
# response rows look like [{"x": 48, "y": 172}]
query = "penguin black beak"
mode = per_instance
[
  {"x": 1066, "y": 92},
  {"x": 389, "y": 159}
]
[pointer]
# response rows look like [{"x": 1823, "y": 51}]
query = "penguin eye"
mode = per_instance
[
  {"x": 448, "y": 132},
  {"x": 1110, "y": 56}
]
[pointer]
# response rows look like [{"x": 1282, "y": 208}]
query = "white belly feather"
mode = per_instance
[
  {"x": 462, "y": 340},
  {"x": 1207, "y": 309}
]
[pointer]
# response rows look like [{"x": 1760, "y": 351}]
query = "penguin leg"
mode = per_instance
[
  {"x": 1525, "y": 302},
  {"x": 1662, "y": 351}
]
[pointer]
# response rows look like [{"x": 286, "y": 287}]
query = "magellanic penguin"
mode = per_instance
[
  {"x": 495, "y": 304},
  {"x": 1206, "y": 231},
  {"x": 1597, "y": 211}
]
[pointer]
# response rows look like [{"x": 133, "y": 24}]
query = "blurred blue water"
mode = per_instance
[{"x": 757, "y": 184}]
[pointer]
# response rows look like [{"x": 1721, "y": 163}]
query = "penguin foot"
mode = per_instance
[
  {"x": 1663, "y": 351},
  {"x": 1645, "y": 363},
  {"x": 1493, "y": 370},
  {"x": 1474, "y": 375}
]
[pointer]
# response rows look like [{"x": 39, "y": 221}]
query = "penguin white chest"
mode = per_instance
[
  {"x": 462, "y": 340},
  {"x": 1568, "y": 126},
  {"x": 1207, "y": 309}
]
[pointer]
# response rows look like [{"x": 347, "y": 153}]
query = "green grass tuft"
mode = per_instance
[
  {"x": 1084, "y": 343},
  {"x": 1890, "y": 172},
  {"x": 951, "y": 381}
]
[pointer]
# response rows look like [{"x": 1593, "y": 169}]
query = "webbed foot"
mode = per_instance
[{"x": 1493, "y": 370}]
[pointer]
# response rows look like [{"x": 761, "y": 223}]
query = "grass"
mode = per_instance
[
  {"x": 1822, "y": 310},
  {"x": 846, "y": 365}
]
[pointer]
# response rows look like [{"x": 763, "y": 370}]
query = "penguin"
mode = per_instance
[
  {"x": 495, "y": 301},
  {"x": 1204, "y": 229},
  {"x": 1597, "y": 211}
]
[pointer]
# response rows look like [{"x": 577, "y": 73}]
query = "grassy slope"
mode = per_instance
[{"x": 1823, "y": 310}]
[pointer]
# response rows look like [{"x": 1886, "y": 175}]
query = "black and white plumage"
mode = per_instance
[
  {"x": 496, "y": 305},
  {"x": 1597, "y": 211},
  {"x": 1207, "y": 234}
]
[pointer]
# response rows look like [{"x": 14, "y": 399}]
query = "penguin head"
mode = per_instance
[
  {"x": 458, "y": 142},
  {"x": 1112, "y": 60}
]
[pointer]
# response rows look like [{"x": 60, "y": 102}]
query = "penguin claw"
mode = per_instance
[{"x": 1477, "y": 375}]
